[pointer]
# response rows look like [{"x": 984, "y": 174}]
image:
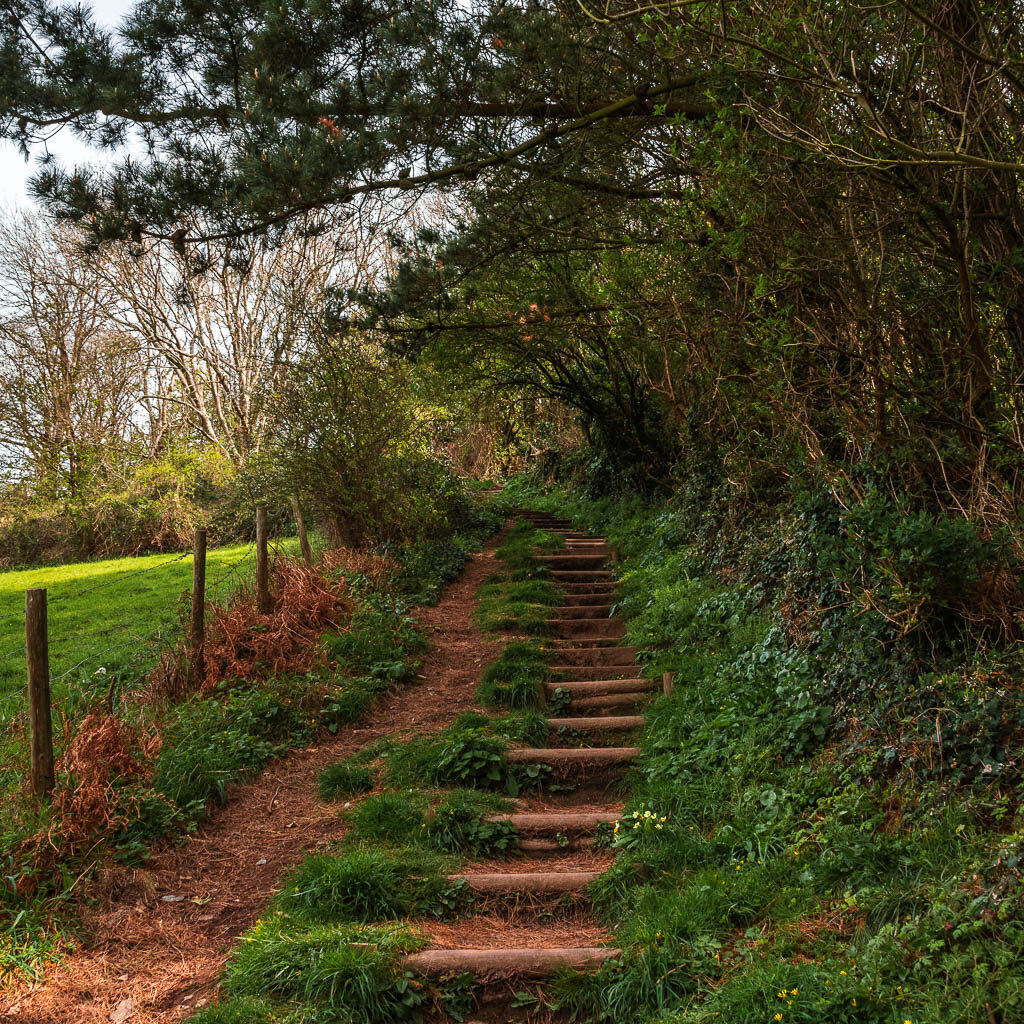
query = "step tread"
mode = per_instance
[
  {"x": 573, "y": 755},
  {"x": 601, "y": 686},
  {"x": 610, "y": 700},
  {"x": 577, "y": 619},
  {"x": 558, "y": 819}
]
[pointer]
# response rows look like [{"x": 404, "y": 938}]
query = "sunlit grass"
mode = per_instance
[{"x": 111, "y": 608}]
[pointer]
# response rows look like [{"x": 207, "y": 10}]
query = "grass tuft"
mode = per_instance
[
  {"x": 516, "y": 679},
  {"x": 344, "y": 779}
]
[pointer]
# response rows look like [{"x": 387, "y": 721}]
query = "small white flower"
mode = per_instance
[{"x": 101, "y": 671}]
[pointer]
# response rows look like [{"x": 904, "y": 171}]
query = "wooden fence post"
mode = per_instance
[
  {"x": 300, "y": 525},
  {"x": 198, "y": 639},
  {"x": 667, "y": 682},
  {"x": 37, "y": 660},
  {"x": 262, "y": 568}
]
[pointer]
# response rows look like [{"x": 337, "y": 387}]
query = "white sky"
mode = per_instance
[{"x": 14, "y": 171}]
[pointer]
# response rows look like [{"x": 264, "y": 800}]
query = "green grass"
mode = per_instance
[
  {"x": 107, "y": 612},
  {"x": 336, "y": 972},
  {"x": 366, "y": 884},
  {"x": 342, "y": 780},
  {"x": 519, "y": 606},
  {"x": 516, "y": 679}
]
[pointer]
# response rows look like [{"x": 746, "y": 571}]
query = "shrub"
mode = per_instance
[
  {"x": 146, "y": 507},
  {"x": 369, "y": 473},
  {"x": 458, "y": 824},
  {"x": 210, "y": 743},
  {"x": 471, "y": 758}
]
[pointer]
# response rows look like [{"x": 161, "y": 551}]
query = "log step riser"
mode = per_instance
[
  {"x": 494, "y": 964},
  {"x": 600, "y": 687}
]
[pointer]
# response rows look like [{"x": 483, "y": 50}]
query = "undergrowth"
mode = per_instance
[{"x": 824, "y": 825}]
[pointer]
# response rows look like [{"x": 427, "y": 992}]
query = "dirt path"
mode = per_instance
[{"x": 157, "y": 937}]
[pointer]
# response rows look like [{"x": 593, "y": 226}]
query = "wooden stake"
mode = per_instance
[
  {"x": 198, "y": 638},
  {"x": 300, "y": 525},
  {"x": 37, "y": 659},
  {"x": 667, "y": 682},
  {"x": 262, "y": 566}
]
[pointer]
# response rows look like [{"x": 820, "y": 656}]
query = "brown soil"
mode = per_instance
[
  {"x": 156, "y": 960},
  {"x": 581, "y": 860},
  {"x": 502, "y": 931}
]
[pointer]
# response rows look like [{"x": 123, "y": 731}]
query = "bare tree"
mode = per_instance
[
  {"x": 69, "y": 378},
  {"x": 225, "y": 336}
]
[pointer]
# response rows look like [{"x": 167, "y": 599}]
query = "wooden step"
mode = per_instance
[
  {"x": 492, "y": 964},
  {"x": 582, "y": 576},
  {"x": 566, "y": 757},
  {"x": 556, "y": 846},
  {"x": 573, "y": 560},
  {"x": 606, "y": 723},
  {"x": 527, "y": 881},
  {"x": 589, "y": 628},
  {"x": 567, "y": 822},
  {"x": 601, "y": 589},
  {"x": 574, "y": 643},
  {"x": 598, "y": 612},
  {"x": 573, "y": 673},
  {"x": 595, "y": 656},
  {"x": 595, "y": 687}
]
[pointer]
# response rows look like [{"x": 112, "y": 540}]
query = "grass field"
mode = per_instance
[{"x": 105, "y": 613}]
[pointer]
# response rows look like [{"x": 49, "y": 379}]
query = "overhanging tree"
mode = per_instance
[{"x": 254, "y": 113}]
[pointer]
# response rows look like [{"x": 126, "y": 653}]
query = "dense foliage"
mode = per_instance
[
  {"x": 748, "y": 279},
  {"x": 825, "y": 822},
  {"x": 765, "y": 237}
]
